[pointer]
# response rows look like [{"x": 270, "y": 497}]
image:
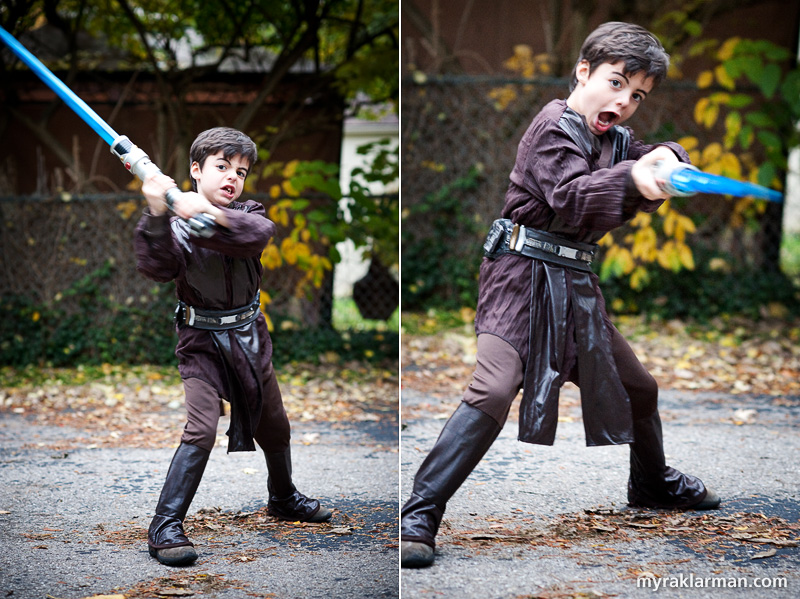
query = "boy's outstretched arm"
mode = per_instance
[
  {"x": 190, "y": 203},
  {"x": 240, "y": 234},
  {"x": 245, "y": 235}
]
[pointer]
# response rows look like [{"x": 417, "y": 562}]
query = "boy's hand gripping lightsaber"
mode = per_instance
[
  {"x": 133, "y": 158},
  {"x": 686, "y": 180}
]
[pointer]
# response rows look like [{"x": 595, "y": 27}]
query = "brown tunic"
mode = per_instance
[
  {"x": 576, "y": 185},
  {"x": 222, "y": 272}
]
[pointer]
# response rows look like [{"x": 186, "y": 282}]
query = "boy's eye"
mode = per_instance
[
  {"x": 638, "y": 97},
  {"x": 221, "y": 167},
  {"x": 616, "y": 83},
  {"x": 242, "y": 174}
]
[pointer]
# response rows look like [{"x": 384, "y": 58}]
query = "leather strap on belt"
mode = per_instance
[
  {"x": 217, "y": 320},
  {"x": 506, "y": 237}
]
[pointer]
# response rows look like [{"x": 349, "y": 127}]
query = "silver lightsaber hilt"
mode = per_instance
[
  {"x": 665, "y": 171},
  {"x": 135, "y": 160}
]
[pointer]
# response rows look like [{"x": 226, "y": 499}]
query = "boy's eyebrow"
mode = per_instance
[
  {"x": 246, "y": 169},
  {"x": 625, "y": 77},
  {"x": 628, "y": 81}
]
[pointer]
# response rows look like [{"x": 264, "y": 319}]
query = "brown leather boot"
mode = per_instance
[
  {"x": 285, "y": 501},
  {"x": 464, "y": 440},
  {"x": 653, "y": 484},
  {"x": 166, "y": 539}
]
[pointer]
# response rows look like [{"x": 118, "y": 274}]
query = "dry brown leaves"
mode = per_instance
[
  {"x": 439, "y": 365},
  {"x": 209, "y": 526},
  {"x": 340, "y": 394},
  {"x": 221, "y": 533},
  {"x": 726, "y": 356},
  {"x": 113, "y": 412},
  {"x": 142, "y": 407},
  {"x": 710, "y": 532},
  {"x": 183, "y": 584}
]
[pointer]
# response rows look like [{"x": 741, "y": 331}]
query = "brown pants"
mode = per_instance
[
  {"x": 204, "y": 407},
  {"x": 498, "y": 378}
]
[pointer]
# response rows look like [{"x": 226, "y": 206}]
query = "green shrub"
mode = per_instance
[
  {"x": 313, "y": 344},
  {"x": 91, "y": 327},
  {"x": 94, "y": 328},
  {"x": 703, "y": 293},
  {"x": 441, "y": 252}
]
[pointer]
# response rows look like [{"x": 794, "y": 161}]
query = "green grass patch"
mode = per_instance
[
  {"x": 346, "y": 317},
  {"x": 437, "y": 320},
  {"x": 790, "y": 255},
  {"x": 43, "y": 376}
]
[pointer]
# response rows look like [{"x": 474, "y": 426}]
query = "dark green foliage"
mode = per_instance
[
  {"x": 98, "y": 328},
  {"x": 703, "y": 293},
  {"x": 441, "y": 248},
  {"x": 103, "y": 329},
  {"x": 309, "y": 344}
]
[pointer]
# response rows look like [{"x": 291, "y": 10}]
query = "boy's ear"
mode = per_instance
[
  {"x": 582, "y": 71},
  {"x": 194, "y": 170}
]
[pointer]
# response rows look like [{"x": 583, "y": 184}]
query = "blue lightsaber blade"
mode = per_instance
[
  {"x": 132, "y": 157},
  {"x": 687, "y": 180},
  {"x": 77, "y": 105}
]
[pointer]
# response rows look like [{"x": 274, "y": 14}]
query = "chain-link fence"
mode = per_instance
[
  {"x": 47, "y": 245},
  {"x": 460, "y": 134}
]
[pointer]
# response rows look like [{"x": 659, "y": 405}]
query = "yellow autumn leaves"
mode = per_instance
[
  {"x": 297, "y": 248},
  {"x": 720, "y": 73},
  {"x": 642, "y": 247},
  {"x": 286, "y": 187},
  {"x": 298, "y": 254},
  {"x": 526, "y": 64}
]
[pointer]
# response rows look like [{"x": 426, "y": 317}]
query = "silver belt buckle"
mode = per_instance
[
  {"x": 570, "y": 253},
  {"x": 228, "y": 319},
  {"x": 520, "y": 241}
]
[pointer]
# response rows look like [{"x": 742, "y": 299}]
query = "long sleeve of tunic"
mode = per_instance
[
  {"x": 222, "y": 272},
  {"x": 568, "y": 182}
]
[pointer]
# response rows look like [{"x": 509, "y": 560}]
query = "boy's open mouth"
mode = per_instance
[
  {"x": 606, "y": 119},
  {"x": 228, "y": 190}
]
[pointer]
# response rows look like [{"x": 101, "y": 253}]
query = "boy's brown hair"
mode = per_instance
[
  {"x": 633, "y": 45},
  {"x": 231, "y": 142}
]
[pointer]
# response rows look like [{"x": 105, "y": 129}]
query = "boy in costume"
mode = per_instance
[
  {"x": 224, "y": 348},
  {"x": 541, "y": 319}
]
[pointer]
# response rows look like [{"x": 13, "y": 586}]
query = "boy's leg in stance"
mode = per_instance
[
  {"x": 273, "y": 435},
  {"x": 652, "y": 483},
  {"x": 166, "y": 539},
  {"x": 464, "y": 440}
]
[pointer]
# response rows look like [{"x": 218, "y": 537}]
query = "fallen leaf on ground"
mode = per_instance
[
  {"x": 138, "y": 406},
  {"x": 733, "y": 355}
]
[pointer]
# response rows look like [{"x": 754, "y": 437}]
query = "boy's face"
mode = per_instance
[
  {"x": 221, "y": 180},
  {"x": 608, "y": 96}
]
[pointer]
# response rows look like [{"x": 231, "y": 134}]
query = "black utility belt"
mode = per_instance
[
  {"x": 216, "y": 320},
  {"x": 506, "y": 237}
]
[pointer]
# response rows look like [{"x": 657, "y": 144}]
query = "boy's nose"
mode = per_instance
[{"x": 624, "y": 103}]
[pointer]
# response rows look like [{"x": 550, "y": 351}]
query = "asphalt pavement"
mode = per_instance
[
  {"x": 530, "y": 522},
  {"x": 552, "y": 522},
  {"x": 73, "y": 521}
]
